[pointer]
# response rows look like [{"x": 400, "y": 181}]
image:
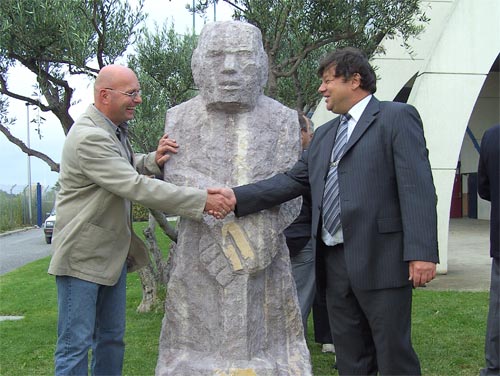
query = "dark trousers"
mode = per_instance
[
  {"x": 322, "y": 332},
  {"x": 492, "y": 342},
  {"x": 371, "y": 328}
]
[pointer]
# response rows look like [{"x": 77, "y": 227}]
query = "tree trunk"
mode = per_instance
[
  {"x": 150, "y": 298},
  {"x": 156, "y": 273},
  {"x": 149, "y": 274}
]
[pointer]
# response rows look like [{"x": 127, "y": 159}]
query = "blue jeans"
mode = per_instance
[{"x": 90, "y": 316}]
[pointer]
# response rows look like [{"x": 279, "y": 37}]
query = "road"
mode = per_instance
[{"x": 20, "y": 248}]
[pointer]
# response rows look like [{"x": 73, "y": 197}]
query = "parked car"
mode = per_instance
[{"x": 48, "y": 226}]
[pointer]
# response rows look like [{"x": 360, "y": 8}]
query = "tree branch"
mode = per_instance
[
  {"x": 34, "y": 102},
  {"x": 162, "y": 221},
  {"x": 234, "y": 5},
  {"x": 34, "y": 153},
  {"x": 296, "y": 60}
]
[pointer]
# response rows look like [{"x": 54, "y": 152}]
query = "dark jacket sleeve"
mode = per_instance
[
  {"x": 270, "y": 192},
  {"x": 299, "y": 232},
  {"x": 483, "y": 183}
]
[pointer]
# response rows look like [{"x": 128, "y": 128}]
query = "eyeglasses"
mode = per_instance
[{"x": 131, "y": 95}]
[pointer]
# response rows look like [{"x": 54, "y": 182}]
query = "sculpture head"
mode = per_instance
[{"x": 229, "y": 65}]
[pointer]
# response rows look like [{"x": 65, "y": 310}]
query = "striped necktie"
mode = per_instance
[{"x": 331, "y": 201}]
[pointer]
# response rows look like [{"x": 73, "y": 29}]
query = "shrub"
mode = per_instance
[{"x": 139, "y": 213}]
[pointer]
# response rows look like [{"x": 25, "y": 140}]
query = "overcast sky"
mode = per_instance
[{"x": 13, "y": 162}]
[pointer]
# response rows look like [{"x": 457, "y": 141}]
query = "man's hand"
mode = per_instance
[
  {"x": 165, "y": 146},
  {"x": 422, "y": 272},
  {"x": 220, "y": 202}
]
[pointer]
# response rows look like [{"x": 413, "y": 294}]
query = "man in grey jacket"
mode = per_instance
[{"x": 94, "y": 244}]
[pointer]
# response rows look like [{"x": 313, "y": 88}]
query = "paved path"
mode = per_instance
[
  {"x": 469, "y": 262},
  {"x": 21, "y": 247}
]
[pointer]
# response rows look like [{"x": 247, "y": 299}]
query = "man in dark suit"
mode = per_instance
[
  {"x": 388, "y": 235},
  {"x": 488, "y": 188}
]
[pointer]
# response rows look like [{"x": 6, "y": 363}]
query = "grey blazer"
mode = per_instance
[
  {"x": 92, "y": 234},
  {"x": 388, "y": 199}
]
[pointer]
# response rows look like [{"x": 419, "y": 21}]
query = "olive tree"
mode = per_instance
[
  {"x": 293, "y": 30},
  {"x": 57, "y": 39},
  {"x": 163, "y": 65}
]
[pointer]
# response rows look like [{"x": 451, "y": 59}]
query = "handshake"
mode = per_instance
[{"x": 220, "y": 202}]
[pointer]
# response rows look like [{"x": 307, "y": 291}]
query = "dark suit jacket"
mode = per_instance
[
  {"x": 489, "y": 180},
  {"x": 387, "y": 194},
  {"x": 298, "y": 233}
]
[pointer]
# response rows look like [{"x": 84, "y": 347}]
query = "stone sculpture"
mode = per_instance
[{"x": 231, "y": 306}]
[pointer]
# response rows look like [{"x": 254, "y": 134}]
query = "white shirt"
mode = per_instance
[{"x": 356, "y": 111}]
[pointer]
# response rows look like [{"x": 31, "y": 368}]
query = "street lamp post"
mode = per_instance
[
  {"x": 194, "y": 17},
  {"x": 29, "y": 160}
]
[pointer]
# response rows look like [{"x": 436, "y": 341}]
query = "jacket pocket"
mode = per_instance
[
  {"x": 94, "y": 249},
  {"x": 387, "y": 225}
]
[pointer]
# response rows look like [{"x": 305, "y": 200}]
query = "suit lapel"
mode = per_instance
[{"x": 367, "y": 118}]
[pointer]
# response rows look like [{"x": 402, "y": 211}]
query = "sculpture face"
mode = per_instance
[{"x": 228, "y": 66}]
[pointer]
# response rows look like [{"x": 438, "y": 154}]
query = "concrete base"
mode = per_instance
[{"x": 469, "y": 262}]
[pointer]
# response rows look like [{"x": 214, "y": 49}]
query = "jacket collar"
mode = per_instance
[
  {"x": 101, "y": 120},
  {"x": 364, "y": 122}
]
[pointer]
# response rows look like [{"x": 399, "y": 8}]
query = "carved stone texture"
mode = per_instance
[{"x": 231, "y": 306}]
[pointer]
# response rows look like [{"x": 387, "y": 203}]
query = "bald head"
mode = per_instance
[
  {"x": 114, "y": 76},
  {"x": 110, "y": 92}
]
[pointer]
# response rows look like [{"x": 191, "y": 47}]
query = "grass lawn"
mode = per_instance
[{"x": 448, "y": 328}]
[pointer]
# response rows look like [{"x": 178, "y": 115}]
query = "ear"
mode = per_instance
[
  {"x": 104, "y": 95},
  {"x": 356, "y": 80}
]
